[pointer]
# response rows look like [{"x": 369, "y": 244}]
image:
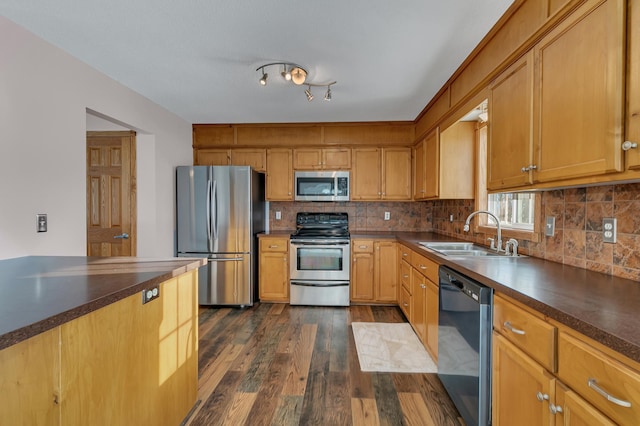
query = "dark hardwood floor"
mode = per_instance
[{"x": 275, "y": 364}]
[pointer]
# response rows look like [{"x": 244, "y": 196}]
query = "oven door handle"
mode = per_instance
[
  {"x": 319, "y": 243},
  {"x": 320, "y": 284}
]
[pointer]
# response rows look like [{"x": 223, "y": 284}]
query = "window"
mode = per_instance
[{"x": 515, "y": 210}]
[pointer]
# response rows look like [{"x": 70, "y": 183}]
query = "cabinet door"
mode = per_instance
[
  {"x": 386, "y": 271},
  {"x": 365, "y": 179},
  {"x": 212, "y": 157},
  {"x": 633, "y": 88},
  {"x": 432, "y": 319},
  {"x": 307, "y": 159},
  {"x": 396, "y": 173},
  {"x": 30, "y": 381},
  {"x": 432, "y": 165},
  {"x": 510, "y": 144},
  {"x": 517, "y": 381},
  {"x": 579, "y": 85},
  {"x": 279, "y": 175},
  {"x": 571, "y": 410},
  {"x": 418, "y": 306},
  {"x": 256, "y": 158},
  {"x": 274, "y": 276},
  {"x": 419, "y": 171},
  {"x": 362, "y": 277},
  {"x": 336, "y": 158},
  {"x": 456, "y": 161}
]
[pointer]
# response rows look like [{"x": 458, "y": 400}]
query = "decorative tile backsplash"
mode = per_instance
[{"x": 577, "y": 240}]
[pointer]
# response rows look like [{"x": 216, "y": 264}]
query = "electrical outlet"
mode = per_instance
[
  {"x": 451, "y": 218},
  {"x": 387, "y": 215},
  {"x": 550, "y": 226},
  {"x": 278, "y": 215},
  {"x": 609, "y": 229},
  {"x": 41, "y": 223},
  {"x": 150, "y": 294}
]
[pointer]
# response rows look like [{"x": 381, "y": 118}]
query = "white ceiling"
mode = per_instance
[{"x": 198, "y": 58}]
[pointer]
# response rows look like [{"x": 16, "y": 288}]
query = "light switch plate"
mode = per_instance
[
  {"x": 609, "y": 229},
  {"x": 41, "y": 223},
  {"x": 387, "y": 215},
  {"x": 550, "y": 226}
]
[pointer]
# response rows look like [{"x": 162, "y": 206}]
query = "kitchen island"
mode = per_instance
[{"x": 78, "y": 346}]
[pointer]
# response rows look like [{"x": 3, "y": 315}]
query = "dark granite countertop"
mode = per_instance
[
  {"x": 38, "y": 293},
  {"x": 602, "y": 307}
]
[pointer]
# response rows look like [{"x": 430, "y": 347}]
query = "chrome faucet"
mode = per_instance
[
  {"x": 499, "y": 236},
  {"x": 512, "y": 242}
]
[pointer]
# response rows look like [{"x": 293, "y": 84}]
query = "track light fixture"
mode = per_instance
[{"x": 297, "y": 75}]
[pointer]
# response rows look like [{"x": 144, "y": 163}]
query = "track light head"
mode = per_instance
[
  {"x": 298, "y": 75},
  {"x": 286, "y": 74},
  {"x": 308, "y": 93},
  {"x": 327, "y": 96},
  {"x": 263, "y": 80}
]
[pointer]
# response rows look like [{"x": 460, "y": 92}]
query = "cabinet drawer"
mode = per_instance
[
  {"x": 531, "y": 334},
  {"x": 603, "y": 381},
  {"x": 404, "y": 253},
  {"x": 405, "y": 275},
  {"x": 362, "y": 246},
  {"x": 405, "y": 302},
  {"x": 426, "y": 267},
  {"x": 274, "y": 244}
]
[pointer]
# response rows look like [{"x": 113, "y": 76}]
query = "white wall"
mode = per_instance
[{"x": 44, "y": 97}]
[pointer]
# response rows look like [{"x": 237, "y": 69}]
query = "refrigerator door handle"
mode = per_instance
[
  {"x": 215, "y": 210},
  {"x": 209, "y": 214}
]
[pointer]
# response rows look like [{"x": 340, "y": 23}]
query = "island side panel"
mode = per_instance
[{"x": 129, "y": 363}]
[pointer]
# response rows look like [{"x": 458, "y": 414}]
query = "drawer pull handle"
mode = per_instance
[
  {"x": 423, "y": 267},
  {"x": 362, "y": 247},
  {"x": 508, "y": 326},
  {"x": 405, "y": 276},
  {"x": 273, "y": 246},
  {"x": 423, "y": 286},
  {"x": 405, "y": 254},
  {"x": 593, "y": 384},
  {"x": 555, "y": 409},
  {"x": 406, "y": 304}
]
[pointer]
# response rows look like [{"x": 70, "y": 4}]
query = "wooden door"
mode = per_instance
[
  {"x": 432, "y": 165},
  {"x": 336, "y": 158},
  {"x": 456, "y": 161},
  {"x": 111, "y": 194},
  {"x": 386, "y": 271},
  {"x": 510, "y": 144},
  {"x": 362, "y": 270},
  {"x": 274, "y": 276},
  {"x": 212, "y": 157},
  {"x": 396, "y": 173},
  {"x": 579, "y": 85},
  {"x": 517, "y": 380},
  {"x": 279, "y": 175},
  {"x": 365, "y": 179},
  {"x": 633, "y": 88}
]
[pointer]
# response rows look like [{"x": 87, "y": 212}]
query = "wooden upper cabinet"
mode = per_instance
[
  {"x": 279, "y": 175},
  {"x": 579, "y": 94},
  {"x": 381, "y": 174},
  {"x": 319, "y": 158},
  {"x": 633, "y": 88},
  {"x": 432, "y": 165},
  {"x": 396, "y": 173},
  {"x": 510, "y": 144},
  {"x": 213, "y": 157},
  {"x": 256, "y": 158},
  {"x": 365, "y": 177},
  {"x": 419, "y": 169}
]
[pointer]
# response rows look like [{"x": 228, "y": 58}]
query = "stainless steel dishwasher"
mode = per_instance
[{"x": 464, "y": 344}]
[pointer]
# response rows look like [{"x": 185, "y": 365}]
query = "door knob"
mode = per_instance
[{"x": 123, "y": 236}]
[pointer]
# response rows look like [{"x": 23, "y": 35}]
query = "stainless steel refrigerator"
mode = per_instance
[{"x": 219, "y": 212}]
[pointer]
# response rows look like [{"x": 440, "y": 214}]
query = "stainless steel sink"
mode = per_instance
[{"x": 461, "y": 249}]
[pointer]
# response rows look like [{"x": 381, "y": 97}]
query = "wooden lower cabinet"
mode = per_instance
[
  {"x": 374, "y": 271},
  {"x": 126, "y": 363},
  {"x": 516, "y": 382},
  {"x": 575, "y": 411},
  {"x": 30, "y": 381},
  {"x": 419, "y": 304},
  {"x": 274, "y": 269},
  {"x": 432, "y": 306}
]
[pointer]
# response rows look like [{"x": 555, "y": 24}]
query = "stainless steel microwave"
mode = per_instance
[{"x": 322, "y": 186}]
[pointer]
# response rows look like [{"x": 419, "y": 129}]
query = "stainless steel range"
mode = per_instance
[{"x": 320, "y": 257}]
